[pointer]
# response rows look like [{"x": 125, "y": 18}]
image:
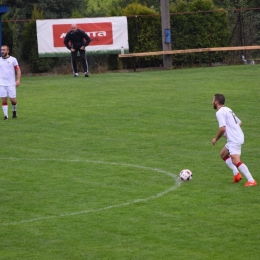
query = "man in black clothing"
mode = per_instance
[{"x": 76, "y": 40}]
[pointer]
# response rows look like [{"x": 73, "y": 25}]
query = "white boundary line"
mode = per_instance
[{"x": 173, "y": 176}]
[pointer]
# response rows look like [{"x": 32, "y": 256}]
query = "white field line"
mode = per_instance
[{"x": 173, "y": 176}]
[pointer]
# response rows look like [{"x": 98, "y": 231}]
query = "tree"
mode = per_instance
[
  {"x": 144, "y": 32},
  {"x": 115, "y": 7},
  {"x": 29, "y": 46},
  {"x": 198, "y": 29},
  {"x": 51, "y": 8},
  {"x": 237, "y": 3},
  {"x": 7, "y": 33}
]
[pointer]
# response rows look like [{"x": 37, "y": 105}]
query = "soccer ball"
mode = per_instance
[{"x": 185, "y": 175}]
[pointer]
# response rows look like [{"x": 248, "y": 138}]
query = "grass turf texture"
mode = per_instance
[{"x": 88, "y": 168}]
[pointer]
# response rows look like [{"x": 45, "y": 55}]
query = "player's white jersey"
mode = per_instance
[
  {"x": 227, "y": 118},
  {"x": 7, "y": 71}
]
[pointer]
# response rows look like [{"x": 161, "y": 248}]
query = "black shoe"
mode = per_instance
[
  {"x": 14, "y": 114},
  {"x": 86, "y": 75},
  {"x": 5, "y": 118},
  {"x": 76, "y": 75}
]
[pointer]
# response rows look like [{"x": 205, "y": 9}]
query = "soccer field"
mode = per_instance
[{"x": 89, "y": 169}]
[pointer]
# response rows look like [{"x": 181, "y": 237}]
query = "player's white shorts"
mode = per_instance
[
  {"x": 233, "y": 148},
  {"x": 8, "y": 91}
]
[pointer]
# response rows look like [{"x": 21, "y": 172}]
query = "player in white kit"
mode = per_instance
[
  {"x": 10, "y": 75},
  {"x": 229, "y": 126}
]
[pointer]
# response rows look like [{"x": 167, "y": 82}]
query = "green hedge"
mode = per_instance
[
  {"x": 190, "y": 30},
  {"x": 198, "y": 30},
  {"x": 30, "y": 47},
  {"x": 144, "y": 34}
]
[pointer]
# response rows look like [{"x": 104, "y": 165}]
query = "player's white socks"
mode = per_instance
[
  {"x": 229, "y": 163},
  {"x": 243, "y": 168},
  {"x": 5, "y": 110}
]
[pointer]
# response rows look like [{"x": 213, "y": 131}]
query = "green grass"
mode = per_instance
[{"x": 89, "y": 168}]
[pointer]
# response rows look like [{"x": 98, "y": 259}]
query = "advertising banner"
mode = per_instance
[{"x": 109, "y": 35}]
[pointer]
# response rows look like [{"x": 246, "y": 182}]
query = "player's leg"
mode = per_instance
[
  {"x": 235, "y": 153},
  {"x": 84, "y": 62},
  {"x": 5, "y": 107},
  {"x": 74, "y": 63},
  {"x": 3, "y": 95},
  {"x": 14, "y": 107},
  {"x": 12, "y": 97},
  {"x": 224, "y": 154}
]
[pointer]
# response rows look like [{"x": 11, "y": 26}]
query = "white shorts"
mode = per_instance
[
  {"x": 8, "y": 91},
  {"x": 234, "y": 148}
]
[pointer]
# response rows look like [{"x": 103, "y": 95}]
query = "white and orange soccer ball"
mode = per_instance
[{"x": 185, "y": 175}]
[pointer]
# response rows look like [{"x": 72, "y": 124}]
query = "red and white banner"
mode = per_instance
[{"x": 108, "y": 35}]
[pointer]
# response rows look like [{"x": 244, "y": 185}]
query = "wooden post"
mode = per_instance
[{"x": 166, "y": 39}]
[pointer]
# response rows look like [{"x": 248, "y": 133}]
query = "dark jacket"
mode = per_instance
[{"x": 76, "y": 39}]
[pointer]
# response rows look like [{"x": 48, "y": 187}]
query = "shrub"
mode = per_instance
[
  {"x": 198, "y": 30},
  {"x": 30, "y": 46},
  {"x": 144, "y": 33}
]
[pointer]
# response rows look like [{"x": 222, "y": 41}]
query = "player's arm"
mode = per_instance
[
  {"x": 87, "y": 39},
  {"x": 221, "y": 132},
  {"x": 66, "y": 41},
  {"x": 18, "y": 75}
]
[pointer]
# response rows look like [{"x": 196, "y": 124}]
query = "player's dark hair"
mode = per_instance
[
  {"x": 220, "y": 98},
  {"x": 4, "y": 45}
]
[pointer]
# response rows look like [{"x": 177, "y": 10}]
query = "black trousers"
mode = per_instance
[{"x": 83, "y": 59}]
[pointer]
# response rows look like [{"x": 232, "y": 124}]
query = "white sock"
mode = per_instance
[
  {"x": 243, "y": 168},
  {"x": 229, "y": 163},
  {"x": 5, "y": 110},
  {"x": 14, "y": 107}
]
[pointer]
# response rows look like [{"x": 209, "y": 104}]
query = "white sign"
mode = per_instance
[{"x": 109, "y": 35}]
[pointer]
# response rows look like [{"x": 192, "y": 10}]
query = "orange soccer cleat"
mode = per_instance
[
  {"x": 237, "y": 178},
  {"x": 251, "y": 183}
]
